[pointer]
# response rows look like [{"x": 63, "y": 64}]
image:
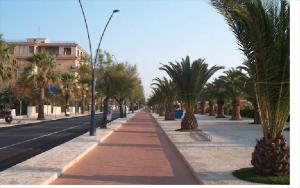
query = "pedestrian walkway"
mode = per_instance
[{"x": 137, "y": 153}]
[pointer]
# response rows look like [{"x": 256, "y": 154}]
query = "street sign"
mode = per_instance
[{"x": 52, "y": 88}]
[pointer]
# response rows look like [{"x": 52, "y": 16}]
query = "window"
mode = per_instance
[{"x": 67, "y": 51}]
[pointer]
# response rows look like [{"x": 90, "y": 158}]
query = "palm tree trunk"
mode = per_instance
[
  {"x": 121, "y": 109},
  {"x": 161, "y": 110},
  {"x": 67, "y": 106},
  {"x": 41, "y": 115},
  {"x": 202, "y": 107},
  {"x": 82, "y": 102},
  {"x": 256, "y": 115},
  {"x": 220, "y": 111},
  {"x": 105, "y": 112},
  {"x": 189, "y": 120},
  {"x": 132, "y": 107},
  {"x": 195, "y": 109},
  {"x": 82, "y": 106},
  {"x": 236, "y": 114},
  {"x": 211, "y": 107},
  {"x": 125, "y": 109},
  {"x": 170, "y": 112},
  {"x": 101, "y": 105},
  {"x": 271, "y": 157}
]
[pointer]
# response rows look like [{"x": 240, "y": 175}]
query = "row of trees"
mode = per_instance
[
  {"x": 120, "y": 82},
  {"x": 116, "y": 81},
  {"x": 186, "y": 85},
  {"x": 232, "y": 86},
  {"x": 262, "y": 31}
]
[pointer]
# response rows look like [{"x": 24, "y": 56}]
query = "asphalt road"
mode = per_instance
[{"x": 18, "y": 144}]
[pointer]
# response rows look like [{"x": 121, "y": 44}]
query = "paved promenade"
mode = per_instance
[
  {"x": 230, "y": 149},
  {"x": 137, "y": 153}
]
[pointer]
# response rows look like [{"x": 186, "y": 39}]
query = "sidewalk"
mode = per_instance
[
  {"x": 137, "y": 153},
  {"x": 214, "y": 160}
]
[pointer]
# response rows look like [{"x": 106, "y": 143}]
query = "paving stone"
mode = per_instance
[
  {"x": 230, "y": 149},
  {"x": 137, "y": 153}
]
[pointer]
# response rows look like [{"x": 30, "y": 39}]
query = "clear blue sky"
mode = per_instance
[{"x": 145, "y": 33}]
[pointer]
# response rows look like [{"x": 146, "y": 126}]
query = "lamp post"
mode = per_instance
[{"x": 93, "y": 65}]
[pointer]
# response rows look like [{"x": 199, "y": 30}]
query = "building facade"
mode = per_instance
[{"x": 69, "y": 55}]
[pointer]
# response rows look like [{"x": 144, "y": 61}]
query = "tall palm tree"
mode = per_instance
[
  {"x": 69, "y": 85},
  {"x": 84, "y": 80},
  {"x": 189, "y": 79},
  {"x": 40, "y": 72},
  {"x": 202, "y": 99},
  {"x": 221, "y": 94},
  {"x": 234, "y": 83},
  {"x": 7, "y": 64},
  {"x": 249, "y": 91},
  {"x": 156, "y": 100},
  {"x": 168, "y": 96},
  {"x": 210, "y": 93},
  {"x": 262, "y": 29}
]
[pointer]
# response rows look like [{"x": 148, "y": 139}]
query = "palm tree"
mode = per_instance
[
  {"x": 7, "y": 64},
  {"x": 221, "y": 94},
  {"x": 40, "y": 72},
  {"x": 202, "y": 100},
  {"x": 84, "y": 74},
  {"x": 249, "y": 91},
  {"x": 168, "y": 96},
  {"x": 156, "y": 100},
  {"x": 262, "y": 29},
  {"x": 68, "y": 88},
  {"x": 210, "y": 93},
  {"x": 189, "y": 80},
  {"x": 234, "y": 83}
]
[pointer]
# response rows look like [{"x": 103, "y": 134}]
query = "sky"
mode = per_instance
[{"x": 144, "y": 32}]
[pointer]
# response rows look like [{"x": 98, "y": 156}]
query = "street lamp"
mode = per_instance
[{"x": 93, "y": 65}]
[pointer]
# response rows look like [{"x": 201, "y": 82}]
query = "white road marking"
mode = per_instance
[{"x": 18, "y": 143}]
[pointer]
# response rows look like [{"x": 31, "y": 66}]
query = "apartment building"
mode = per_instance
[{"x": 68, "y": 55}]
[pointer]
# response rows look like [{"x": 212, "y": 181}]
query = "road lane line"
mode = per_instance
[{"x": 18, "y": 143}]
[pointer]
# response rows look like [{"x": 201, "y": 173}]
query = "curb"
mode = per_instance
[
  {"x": 69, "y": 165},
  {"x": 37, "y": 170},
  {"x": 74, "y": 161},
  {"x": 194, "y": 173}
]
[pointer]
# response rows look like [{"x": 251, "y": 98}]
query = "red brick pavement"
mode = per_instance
[{"x": 137, "y": 153}]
